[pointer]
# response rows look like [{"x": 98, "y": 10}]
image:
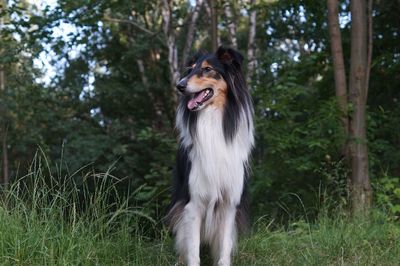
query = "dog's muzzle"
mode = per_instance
[{"x": 182, "y": 84}]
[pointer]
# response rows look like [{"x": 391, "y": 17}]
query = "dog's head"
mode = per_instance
[{"x": 206, "y": 80}]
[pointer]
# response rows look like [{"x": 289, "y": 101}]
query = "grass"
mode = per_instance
[
  {"x": 57, "y": 220},
  {"x": 43, "y": 222},
  {"x": 328, "y": 242},
  {"x": 29, "y": 238}
]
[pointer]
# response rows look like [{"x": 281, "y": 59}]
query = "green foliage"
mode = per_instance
[
  {"x": 334, "y": 196},
  {"x": 297, "y": 130},
  {"x": 383, "y": 130},
  {"x": 388, "y": 195},
  {"x": 110, "y": 105}
]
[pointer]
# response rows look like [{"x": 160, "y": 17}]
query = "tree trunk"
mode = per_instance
[
  {"x": 231, "y": 23},
  {"x": 251, "y": 61},
  {"x": 6, "y": 177},
  {"x": 214, "y": 25},
  {"x": 170, "y": 36},
  {"x": 361, "y": 194},
  {"x": 171, "y": 44},
  {"x": 369, "y": 51},
  {"x": 338, "y": 66},
  {"x": 2, "y": 76},
  {"x": 190, "y": 33},
  {"x": 3, "y": 128},
  {"x": 2, "y": 79}
]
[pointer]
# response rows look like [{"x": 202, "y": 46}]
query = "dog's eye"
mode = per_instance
[
  {"x": 207, "y": 69},
  {"x": 188, "y": 70}
]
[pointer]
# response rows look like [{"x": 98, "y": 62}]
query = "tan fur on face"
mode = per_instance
[
  {"x": 205, "y": 64},
  {"x": 207, "y": 81},
  {"x": 220, "y": 100}
]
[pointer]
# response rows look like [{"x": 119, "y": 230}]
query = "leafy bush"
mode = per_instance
[
  {"x": 297, "y": 130},
  {"x": 387, "y": 193}
]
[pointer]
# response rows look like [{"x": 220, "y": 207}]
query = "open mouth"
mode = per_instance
[{"x": 199, "y": 98}]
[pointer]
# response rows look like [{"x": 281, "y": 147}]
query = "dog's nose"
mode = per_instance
[{"x": 181, "y": 86}]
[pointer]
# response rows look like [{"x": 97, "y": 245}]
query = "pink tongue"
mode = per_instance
[{"x": 193, "y": 103}]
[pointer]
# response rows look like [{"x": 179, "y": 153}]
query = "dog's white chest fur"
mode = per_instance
[
  {"x": 215, "y": 183},
  {"x": 218, "y": 165}
]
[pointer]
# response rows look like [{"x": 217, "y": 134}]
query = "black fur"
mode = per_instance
[
  {"x": 180, "y": 193},
  {"x": 243, "y": 209},
  {"x": 182, "y": 171},
  {"x": 238, "y": 95},
  {"x": 189, "y": 118}
]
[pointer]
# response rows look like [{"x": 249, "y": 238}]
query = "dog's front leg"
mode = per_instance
[
  {"x": 226, "y": 236},
  {"x": 188, "y": 234}
]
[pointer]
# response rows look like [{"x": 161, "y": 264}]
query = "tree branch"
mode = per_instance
[
  {"x": 126, "y": 21},
  {"x": 136, "y": 25}
]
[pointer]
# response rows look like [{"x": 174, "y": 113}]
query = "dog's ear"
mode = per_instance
[
  {"x": 195, "y": 57},
  {"x": 229, "y": 56}
]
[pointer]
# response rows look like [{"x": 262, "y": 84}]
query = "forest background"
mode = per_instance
[{"x": 87, "y": 102}]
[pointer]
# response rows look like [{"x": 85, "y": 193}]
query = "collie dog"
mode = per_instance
[{"x": 215, "y": 124}]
